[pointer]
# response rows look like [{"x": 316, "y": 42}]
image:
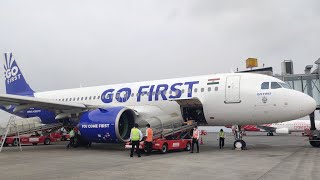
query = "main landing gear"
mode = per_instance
[
  {"x": 270, "y": 134},
  {"x": 238, "y": 143}
]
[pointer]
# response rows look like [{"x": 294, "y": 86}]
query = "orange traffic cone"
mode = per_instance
[{"x": 201, "y": 142}]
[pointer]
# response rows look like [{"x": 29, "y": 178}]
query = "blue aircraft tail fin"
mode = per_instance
[{"x": 14, "y": 80}]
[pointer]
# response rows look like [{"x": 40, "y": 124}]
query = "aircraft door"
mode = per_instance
[{"x": 233, "y": 89}]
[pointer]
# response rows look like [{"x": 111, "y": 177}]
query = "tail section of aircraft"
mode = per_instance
[{"x": 14, "y": 80}]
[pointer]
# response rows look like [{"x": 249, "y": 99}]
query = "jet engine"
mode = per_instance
[
  {"x": 109, "y": 125},
  {"x": 282, "y": 131}
]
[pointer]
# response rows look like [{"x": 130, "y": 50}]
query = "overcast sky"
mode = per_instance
[{"x": 64, "y": 43}]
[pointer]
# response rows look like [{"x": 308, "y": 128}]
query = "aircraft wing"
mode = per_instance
[
  {"x": 267, "y": 128},
  {"x": 25, "y": 102}
]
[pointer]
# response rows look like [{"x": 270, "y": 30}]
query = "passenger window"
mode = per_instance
[
  {"x": 209, "y": 89},
  {"x": 94, "y": 97},
  {"x": 78, "y": 99},
  {"x": 275, "y": 85},
  {"x": 85, "y": 98},
  {"x": 216, "y": 88},
  {"x": 132, "y": 94},
  {"x": 90, "y": 98},
  {"x": 202, "y": 89},
  {"x": 81, "y": 98},
  {"x": 70, "y": 99},
  {"x": 265, "y": 85},
  {"x": 195, "y": 90},
  {"x": 74, "y": 99},
  {"x": 98, "y": 97},
  {"x": 182, "y": 91},
  {"x": 170, "y": 92}
]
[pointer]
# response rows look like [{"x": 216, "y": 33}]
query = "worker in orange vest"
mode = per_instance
[
  {"x": 149, "y": 139},
  {"x": 195, "y": 139}
]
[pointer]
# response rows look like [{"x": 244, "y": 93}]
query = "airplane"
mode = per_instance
[
  {"x": 106, "y": 114},
  {"x": 281, "y": 127}
]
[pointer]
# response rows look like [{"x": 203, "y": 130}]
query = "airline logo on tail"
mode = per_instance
[{"x": 12, "y": 72}]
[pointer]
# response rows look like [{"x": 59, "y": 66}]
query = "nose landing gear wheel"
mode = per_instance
[
  {"x": 315, "y": 143},
  {"x": 239, "y": 144}
]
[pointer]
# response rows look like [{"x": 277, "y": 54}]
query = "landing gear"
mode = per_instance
[
  {"x": 314, "y": 139},
  {"x": 239, "y": 143},
  {"x": 270, "y": 134},
  {"x": 315, "y": 142}
]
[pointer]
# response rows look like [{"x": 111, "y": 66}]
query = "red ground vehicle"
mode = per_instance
[
  {"x": 29, "y": 139},
  {"x": 174, "y": 139},
  {"x": 164, "y": 144}
]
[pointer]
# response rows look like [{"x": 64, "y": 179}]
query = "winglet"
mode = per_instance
[{"x": 14, "y": 80}]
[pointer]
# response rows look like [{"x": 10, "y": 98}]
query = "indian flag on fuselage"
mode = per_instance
[{"x": 213, "y": 81}]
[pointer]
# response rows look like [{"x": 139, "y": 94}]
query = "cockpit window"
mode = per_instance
[
  {"x": 285, "y": 85},
  {"x": 265, "y": 85},
  {"x": 275, "y": 85}
]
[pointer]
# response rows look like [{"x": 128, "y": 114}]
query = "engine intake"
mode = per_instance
[{"x": 107, "y": 125}]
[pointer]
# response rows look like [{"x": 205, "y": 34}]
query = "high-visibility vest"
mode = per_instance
[
  {"x": 221, "y": 134},
  {"x": 135, "y": 136},
  {"x": 149, "y": 135},
  {"x": 195, "y": 134},
  {"x": 71, "y": 133}
]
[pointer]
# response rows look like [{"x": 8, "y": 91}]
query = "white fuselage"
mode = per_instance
[
  {"x": 227, "y": 99},
  {"x": 295, "y": 125}
]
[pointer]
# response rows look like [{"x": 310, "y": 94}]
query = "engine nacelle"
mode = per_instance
[
  {"x": 282, "y": 131},
  {"x": 107, "y": 125}
]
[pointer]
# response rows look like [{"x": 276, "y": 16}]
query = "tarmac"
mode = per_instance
[{"x": 268, "y": 157}]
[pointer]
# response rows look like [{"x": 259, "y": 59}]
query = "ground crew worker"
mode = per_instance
[
  {"x": 149, "y": 138},
  {"x": 221, "y": 138},
  {"x": 195, "y": 139},
  {"x": 135, "y": 137},
  {"x": 71, "y": 142}
]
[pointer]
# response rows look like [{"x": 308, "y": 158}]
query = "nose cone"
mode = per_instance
[{"x": 307, "y": 105}]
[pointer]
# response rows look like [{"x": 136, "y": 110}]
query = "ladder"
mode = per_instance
[{"x": 11, "y": 123}]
